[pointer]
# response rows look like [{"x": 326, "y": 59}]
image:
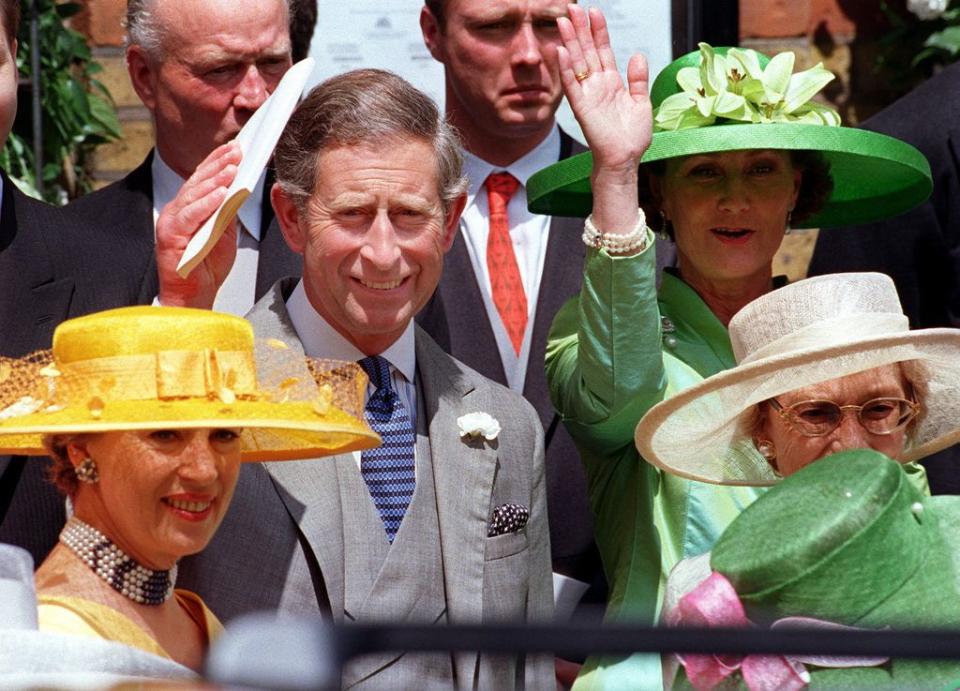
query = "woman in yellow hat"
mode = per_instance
[{"x": 147, "y": 413}]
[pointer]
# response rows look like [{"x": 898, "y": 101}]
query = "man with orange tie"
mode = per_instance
[{"x": 510, "y": 270}]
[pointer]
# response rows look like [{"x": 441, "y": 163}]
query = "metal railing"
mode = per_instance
[{"x": 263, "y": 652}]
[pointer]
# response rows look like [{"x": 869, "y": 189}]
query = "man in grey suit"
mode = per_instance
[
  {"x": 446, "y": 522},
  {"x": 502, "y": 90}
]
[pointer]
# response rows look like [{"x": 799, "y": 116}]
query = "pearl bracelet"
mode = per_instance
[{"x": 617, "y": 243}]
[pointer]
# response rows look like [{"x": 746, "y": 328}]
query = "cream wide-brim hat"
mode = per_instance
[{"x": 805, "y": 333}]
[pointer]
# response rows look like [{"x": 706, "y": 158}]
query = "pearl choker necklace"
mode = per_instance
[{"x": 122, "y": 572}]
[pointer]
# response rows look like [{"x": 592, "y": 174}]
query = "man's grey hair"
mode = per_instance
[
  {"x": 364, "y": 107},
  {"x": 144, "y": 29}
]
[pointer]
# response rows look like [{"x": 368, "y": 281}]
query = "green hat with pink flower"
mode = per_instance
[
  {"x": 730, "y": 99},
  {"x": 847, "y": 543}
]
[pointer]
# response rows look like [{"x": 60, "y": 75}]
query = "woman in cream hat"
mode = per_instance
[
  {"x": 734, "y": 150},
  {"x": 147, "y": 413},
  {"x": 824, "y": 365}
]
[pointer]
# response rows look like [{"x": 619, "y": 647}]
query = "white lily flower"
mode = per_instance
[{"x": 735, "y": 87}]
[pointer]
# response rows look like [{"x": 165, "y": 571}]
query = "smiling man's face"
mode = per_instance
[{"x": 372, "y": 235}]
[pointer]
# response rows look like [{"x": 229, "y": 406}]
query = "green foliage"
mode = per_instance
[
  {"x": 78, "y": 111},
  {"x": 915, "y": 48}
]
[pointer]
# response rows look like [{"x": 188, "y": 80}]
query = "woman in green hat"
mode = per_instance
[{"x": 735, "y": 151}]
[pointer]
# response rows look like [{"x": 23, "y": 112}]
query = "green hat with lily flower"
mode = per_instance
[{"x": 730, "y": 99}]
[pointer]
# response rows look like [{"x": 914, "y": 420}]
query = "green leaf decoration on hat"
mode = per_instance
[{"x": 736, "y": 87}]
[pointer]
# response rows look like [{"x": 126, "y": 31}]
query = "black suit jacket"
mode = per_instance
[
  {"x": 128, "y": 205},
  {"x": 920, "y": 249},
  {"x": 51, "y": 270},
  {"x": 94, "y": 254},
  {"x": 457, "y": 320}
]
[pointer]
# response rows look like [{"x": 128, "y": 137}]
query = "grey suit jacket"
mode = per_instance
[{"x": 281, "y": 543}]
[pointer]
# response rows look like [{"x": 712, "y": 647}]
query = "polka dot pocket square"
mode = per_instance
[{"x": 508, "y": 518}]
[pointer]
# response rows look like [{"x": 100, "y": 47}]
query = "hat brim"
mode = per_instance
[
  {"x": 874, "y": 176},
  {"x": 272, "y": 431},
  {"x": 700, "y": 434}
]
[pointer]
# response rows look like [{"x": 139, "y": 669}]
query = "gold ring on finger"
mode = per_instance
[{"x": 580, "y": 76}]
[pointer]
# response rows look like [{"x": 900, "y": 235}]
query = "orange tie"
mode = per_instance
[{"x": 505, "y": 283}]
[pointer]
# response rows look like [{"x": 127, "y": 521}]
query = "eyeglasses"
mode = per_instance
[{"x": 819, "y": 418}]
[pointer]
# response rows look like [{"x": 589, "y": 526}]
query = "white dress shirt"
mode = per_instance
[
  {"x": 529, "y": 233},
  {"x": 321, "y": 340},
  {"x": 238, "y": 292}
]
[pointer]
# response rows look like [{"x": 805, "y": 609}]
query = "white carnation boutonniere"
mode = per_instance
[{"x": 476, "y": 425}]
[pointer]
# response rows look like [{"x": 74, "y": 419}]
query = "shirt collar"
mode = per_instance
[
  {"x": 690, "y": 315},
  {"x": 321, "y": 340},
  {"x": 166, "y": 184},
  {"x": 542, "y": 155}
]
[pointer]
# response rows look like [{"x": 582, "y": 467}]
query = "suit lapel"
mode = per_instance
[
  {"x": 35, "y": 301},
  {"x": 139, "y": 185},
  {"x": 463, "y": 475},
  {"x": 308, "y": 489},
  {"x": 562, "y": 276},
  {"x": 561, "y": 279}
]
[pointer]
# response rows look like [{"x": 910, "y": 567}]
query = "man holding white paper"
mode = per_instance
[{"x": 202, "y": 68}]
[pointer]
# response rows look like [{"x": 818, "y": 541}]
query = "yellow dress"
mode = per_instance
[{"x": 79, "y": 617}]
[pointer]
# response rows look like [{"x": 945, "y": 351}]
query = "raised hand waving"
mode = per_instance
[{"x": 616, "y": 119}]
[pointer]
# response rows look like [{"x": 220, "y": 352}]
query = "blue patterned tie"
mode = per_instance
[{"x": 388, "y": 470}]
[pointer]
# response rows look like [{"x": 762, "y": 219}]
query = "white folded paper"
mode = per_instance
[{"x": 257, "y": 140}]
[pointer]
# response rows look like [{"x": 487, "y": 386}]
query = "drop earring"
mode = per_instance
[{"x": 664, "y": 224}]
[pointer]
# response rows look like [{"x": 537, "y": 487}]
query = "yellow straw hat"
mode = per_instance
[{"x": 166, "y": 367}]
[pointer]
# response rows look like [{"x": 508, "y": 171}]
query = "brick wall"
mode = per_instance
[{"x": 101, "y": 21}]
